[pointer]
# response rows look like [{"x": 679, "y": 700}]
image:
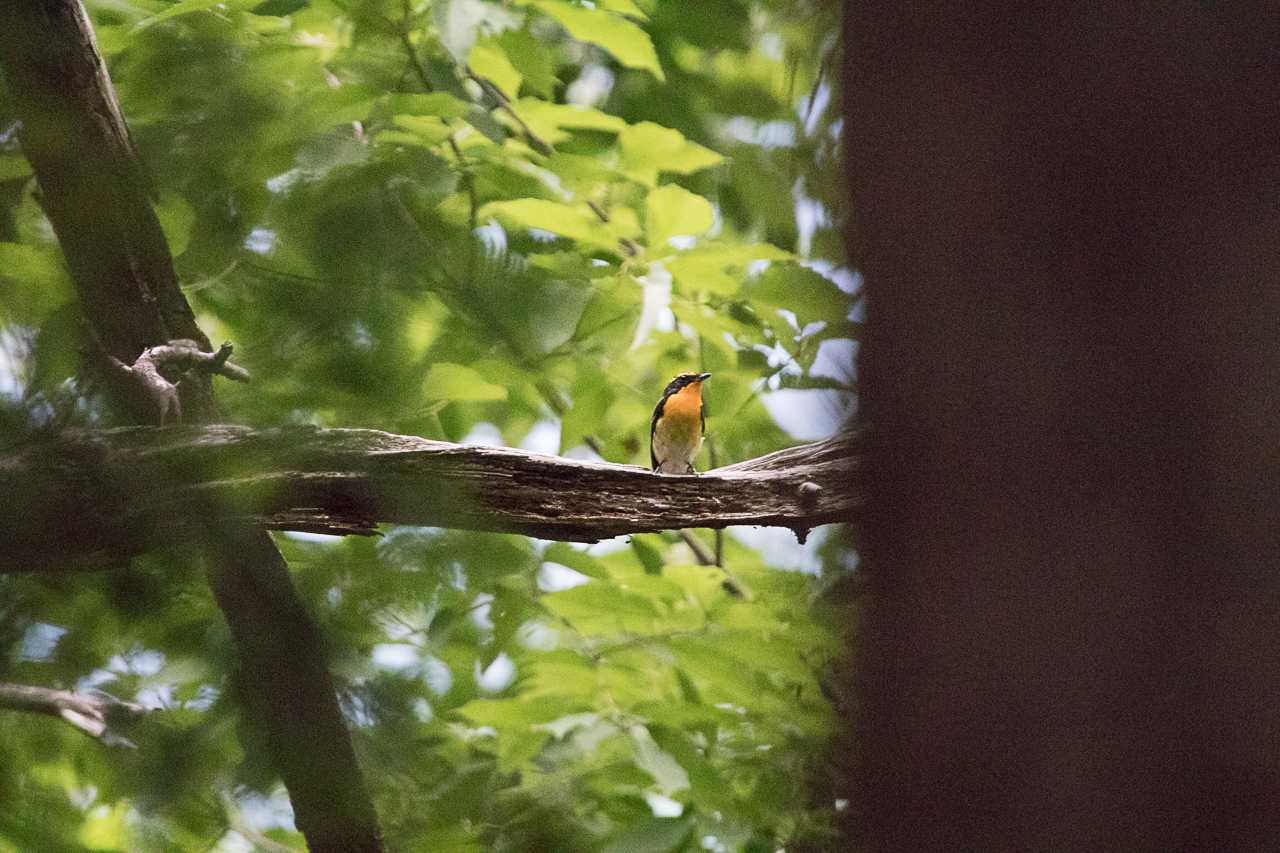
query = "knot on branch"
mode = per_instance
[
  {"x": 808, "y": 493},
  {"x": 159, "y": 370}
]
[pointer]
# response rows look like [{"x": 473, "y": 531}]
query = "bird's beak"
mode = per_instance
[{"x": 703, "y": 377}]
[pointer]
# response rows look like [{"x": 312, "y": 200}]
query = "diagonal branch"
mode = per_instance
[
  {"x": 97, "y": 197},
  {"x": 138, "y": 486},
  {"x": 99, "y": 715}
]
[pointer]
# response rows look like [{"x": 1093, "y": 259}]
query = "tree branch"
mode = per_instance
[
  {"x": 135, "y": 487},
  {"x": 156, "y": 375},
  {"x": 97, "y": 714}
]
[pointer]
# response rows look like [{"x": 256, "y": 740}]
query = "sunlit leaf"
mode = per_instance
[
  {"x": 602, "y": 608},
  {"x": 533, "y": 58},
  {"x": 672, "y": 211},
  {"x": 628, "y": 43},
  {"x": 665, "y": 770},
  {"x": 440, "y": 104},
  {"x": 573, "y": 221},
  {"x": 624, "y": 7},
  {"x": 32, "y": 280},
  {"x": 709, "y": 267},
  {"x": 461, "y": 383},
  {"x": 491, "y": 62},
  {"x": 430, "y": 130},
  {"x": 649, "y": 148},
  {"x": 809, "y": 295}
]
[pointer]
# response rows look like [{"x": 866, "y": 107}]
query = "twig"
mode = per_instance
[
  {"x": 701, "y": 553},
  {"x": 628, "y": 246},
  {"x": 150, "y": 373},
  {"x": 468, "y": 181},
  {"x": 536, "y": 142},
  {"x": 97, "y": 714},
  {"x": 598, "y": 652},
  {"x": 403, "y": 32}
]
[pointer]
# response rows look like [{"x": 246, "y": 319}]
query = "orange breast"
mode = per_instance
[{"x": 685, "y": 403}]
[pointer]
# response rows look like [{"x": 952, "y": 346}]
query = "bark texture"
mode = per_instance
[
  {"x": 91, "y": 499},
  {"x": 94, "y": 189},
  {"x": 1068, "y": 222}
]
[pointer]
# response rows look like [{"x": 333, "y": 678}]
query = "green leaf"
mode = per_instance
[
  {"x": 580, "y": 561},
  {"x": 439, "y": 104},
  {"x": 650, "y": 758},
  {"x": 104, "y": 827},
  {"x": 56, "y": 355},
  {"x": 629, "y": 44},
  {"x": 646, "y": 548},
  {"x": 649, "y": 148},
  {"x": 673, "y": 211},
  {"x": 705, "y": 267},
  {"x": 518, "y": 712},
  {"x": 490, "y": 62},
  {"x": 654, "y": 835},
  {"x": 186, "y": 7},
  {"x": 592, "y": 395},
  {"x": 446, "y": 381},
  {"x": 550, "y": 121},
  {"x": 624, "y": 7},
  {"x": 533, "y": 59},
  {"x": 177, "y": 218},
  {"x": 565, "y": 674},
  {"x": 809, "y": 295},
  {"x": 429, "y": 130},
  {"x": 13, "y": 166},
  {"x": 710, "y": 790},
  {"x": 33, "y": 281},
  {"x": 600, "y": 608},
  {"x": 573, "y": 221}
]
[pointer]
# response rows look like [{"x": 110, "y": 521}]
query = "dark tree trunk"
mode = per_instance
[
  {"x": 93, "y": 187},
  {"x": 94, "y": 191},
  {"x": 1069, "y": 224}
]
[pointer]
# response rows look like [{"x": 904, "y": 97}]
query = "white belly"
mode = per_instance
[{"x": 675, "y": 449}]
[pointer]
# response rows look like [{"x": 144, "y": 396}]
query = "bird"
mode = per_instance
[{"x": 679, "y": 421}]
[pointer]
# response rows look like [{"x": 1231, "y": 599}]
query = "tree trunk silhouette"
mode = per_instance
[{"x": 1068, "y": 223}]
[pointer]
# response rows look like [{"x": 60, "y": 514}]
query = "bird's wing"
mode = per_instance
[{"x": 653, "y": 426}]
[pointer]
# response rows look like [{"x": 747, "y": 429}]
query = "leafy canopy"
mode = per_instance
[{"x": 463, "y": 219}]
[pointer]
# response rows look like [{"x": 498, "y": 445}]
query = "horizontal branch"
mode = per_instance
[
  {"x": 97, "y": 714},
  {"x": 89, "y": 498}
]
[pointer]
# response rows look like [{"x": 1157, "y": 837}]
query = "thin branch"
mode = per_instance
[
  {"x": 469, "y": 183},
  {"x": 403, "y": 30},
  {"x": 99, "y": 715},
  {"x": 149, "y": 377},
  {"x": 701, "y": 552},
  {"x": 536, "y": 142}
]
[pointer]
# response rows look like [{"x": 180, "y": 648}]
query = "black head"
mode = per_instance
[{"x": 682, "y": 380}]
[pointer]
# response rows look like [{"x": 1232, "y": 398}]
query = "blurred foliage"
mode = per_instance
[{"x": 462, "y": 220}]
